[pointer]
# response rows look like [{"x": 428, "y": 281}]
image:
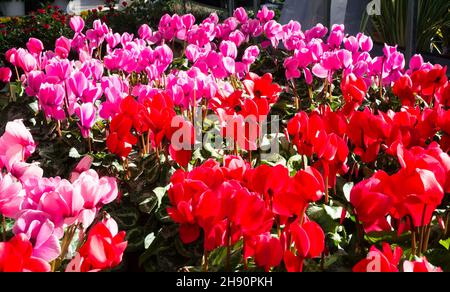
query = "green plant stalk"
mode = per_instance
[
  {"x": 228, "y": 258},
  {"x": 3, "y": 228}
]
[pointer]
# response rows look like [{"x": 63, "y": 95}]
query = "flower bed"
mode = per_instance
[{"x": 234, "y": 145}]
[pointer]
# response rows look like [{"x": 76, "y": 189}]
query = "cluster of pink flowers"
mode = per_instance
[{"x": 43, "y": 208}]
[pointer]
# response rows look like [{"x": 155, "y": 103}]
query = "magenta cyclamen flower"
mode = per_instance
[
  {"x": 77, "y": 24},
  {"x": 86, "y": 113},
  {"x": 264, "y": 15},
  {"x": 62, "y": 47},
  {"x": 40, "y": 230},
  {"x": 51, "y": 99},
  {"x": 35, "y": 46},
  {"x": 5, "y": 74}
]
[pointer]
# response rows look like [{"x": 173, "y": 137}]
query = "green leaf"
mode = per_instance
[{"x": 445, "y": 243}]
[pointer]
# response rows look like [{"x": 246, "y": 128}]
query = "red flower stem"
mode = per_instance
[{"x": 326, "y": 191}]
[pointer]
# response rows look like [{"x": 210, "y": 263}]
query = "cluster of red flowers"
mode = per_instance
[
  {"x": 322, "y": 135},
  {"x": 410, "y": 196},
  {"x": 153, "y": 120},
  {"x": 235, "y": 201},
  {"x": 243, "y": 111}
]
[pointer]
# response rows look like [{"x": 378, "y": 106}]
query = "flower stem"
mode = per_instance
[
  {"x": 205, "y": 266},
  {"x": 3, "y": 227},
  {"x": 228, "y": 259},
  {"x": 327, "y": 198},
  {"x": 89, "y": 144},
  {"x": 427, "y": 238},
  {"x": 413, "y": 242}
]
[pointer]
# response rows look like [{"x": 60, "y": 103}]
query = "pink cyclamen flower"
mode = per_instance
[
  {"x": 241, "y": 15},
  {"x": 95, "y": 191},
  {"x": 38, "y": 228},
  {"x": 336, "y": 36},
  {"x": 34, "y": 81},
  {"x": 62, "y": 47},
  {"x": 35, "y": 46},
  {"x": 264, "y": 15},
  {"x": 5, "y": 74},
  {"x": 51, "y": 98},
  {"x": 11, "y": 196},
  {"x": 77, "y": 24},
  {"x": 82, "y": 166},
  {"x": 16, "y": 135},
  {"x": 62, "y": 204},
  {"x": 420, "y": 265},
  {"x": 25, "y": 60},
  {"x": 86, "y": 113}
]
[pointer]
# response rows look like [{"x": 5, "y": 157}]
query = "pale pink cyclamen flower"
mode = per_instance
[
  {"x": 95, "y": 192},
  {"x": 26, "y": 61},
  {"x": 84, "y": 164},
  {"x": 39, "y": 229},
  {"x": 61, "y": 203},
  {"x": 16, "y": 135},
  {"x": 11, "y": 195}
]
